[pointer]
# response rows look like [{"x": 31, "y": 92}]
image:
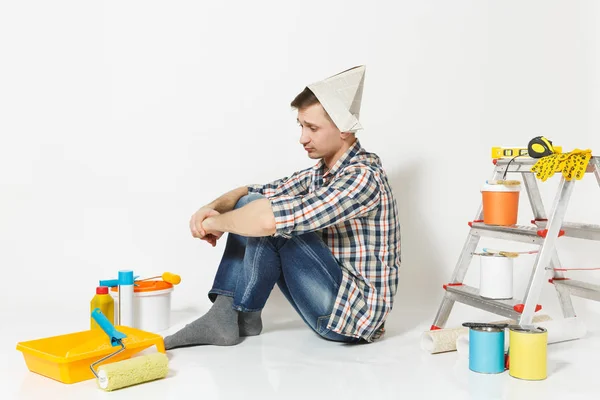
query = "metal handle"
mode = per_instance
[
  {"x": 483, "y": 325},
  {"x": 108, "y": 328}
]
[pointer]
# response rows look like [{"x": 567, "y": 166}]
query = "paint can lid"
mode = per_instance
[
  {"x": 527, "y": 329},
  {"x": 485, "y": 327},
  {"x": 501, "y": 186}
]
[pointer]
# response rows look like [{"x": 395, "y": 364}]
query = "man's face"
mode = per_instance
[{"x": 320, "y": 137}]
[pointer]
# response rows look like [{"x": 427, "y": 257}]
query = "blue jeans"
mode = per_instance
[{"x": 302, "y": 267}]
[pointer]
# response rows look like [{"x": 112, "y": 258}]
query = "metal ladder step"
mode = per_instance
[
  {"x": 575, "y": 230},
  {"x": 578, "y": 288},
  {"x": 469, "y": 295},
  {"x": 519, "y": 233}
]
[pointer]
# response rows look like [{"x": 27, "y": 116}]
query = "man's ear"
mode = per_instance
[{"x": 345, "y": 135}]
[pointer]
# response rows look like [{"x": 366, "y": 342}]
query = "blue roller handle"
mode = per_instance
[
  {"x": 112, "y": 282},
  {"x": 108, "y": 328},
  {"x": 109, "y": 282}
]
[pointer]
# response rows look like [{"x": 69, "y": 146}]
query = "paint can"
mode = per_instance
[
  {"x": 496, "y": 277},
  {"x": 527, "y": 352},
  {"x": 500, "y": 203},
  {"x": 486, "y": 348}
]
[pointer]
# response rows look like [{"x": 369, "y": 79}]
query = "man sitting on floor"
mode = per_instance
[{"x": 328, "y": 235}]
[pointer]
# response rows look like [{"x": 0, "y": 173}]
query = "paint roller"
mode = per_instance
[
  {"x": 130, "y": 372},
  {"x": 168, "y": 277}
]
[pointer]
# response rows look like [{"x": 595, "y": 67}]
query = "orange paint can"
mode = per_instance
[{"x": 500, "y": 204}]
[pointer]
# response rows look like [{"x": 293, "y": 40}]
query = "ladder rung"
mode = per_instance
[
  {"x": 519, "y": 233},
  {"x": 470, "y": 296},
  {"x": 579, "y": 288},
  {"x": 575, "y": 230}
]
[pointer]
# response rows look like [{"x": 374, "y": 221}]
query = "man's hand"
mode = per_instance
[
  {"x": 211, "y": 233},
  {"x": 198, "y": 231}
]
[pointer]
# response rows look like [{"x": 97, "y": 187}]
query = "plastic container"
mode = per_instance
[
  {"x": 486, "y": 350},
  {"x": 496, "y": 277},
  {"x": 500, "y": 204},
  {"x": 125, "y": 310},
  {"x": 67, "y": 358},
  {"x": 151, "y": 305},
  {"x": 105, "y": 303}
]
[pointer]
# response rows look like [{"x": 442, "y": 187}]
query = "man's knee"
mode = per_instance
[{"x": 250, "y": 197}]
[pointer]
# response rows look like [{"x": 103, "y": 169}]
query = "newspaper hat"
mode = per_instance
[{"x": 341, "y": 95}]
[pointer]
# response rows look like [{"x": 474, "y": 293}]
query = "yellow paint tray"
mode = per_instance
[{"x": 67, "y": 358}]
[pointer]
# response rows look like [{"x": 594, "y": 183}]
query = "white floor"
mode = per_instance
[{"x": 289, "y": 362}]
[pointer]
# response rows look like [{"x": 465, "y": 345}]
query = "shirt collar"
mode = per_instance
[{"x": 342, "y": 161}]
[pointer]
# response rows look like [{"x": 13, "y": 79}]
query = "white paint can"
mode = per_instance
[
  {"x": 151, "y": 305},
  {"x": 496, "y": 277}
]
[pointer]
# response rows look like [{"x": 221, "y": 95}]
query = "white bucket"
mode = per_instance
[
  {"x": 496, "y": 277},
  {"x": 151, "y": 309}
]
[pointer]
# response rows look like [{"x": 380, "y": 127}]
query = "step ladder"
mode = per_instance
[{"x": 544, "y": 231}]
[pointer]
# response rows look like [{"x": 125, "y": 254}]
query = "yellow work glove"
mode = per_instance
[{"x": 572, "y": 165}]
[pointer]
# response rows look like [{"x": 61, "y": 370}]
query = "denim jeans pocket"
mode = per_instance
[{"x": 322, "y": 324}]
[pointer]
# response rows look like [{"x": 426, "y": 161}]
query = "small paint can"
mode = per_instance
[
  {"x": 496, "y": 277},
  {"x": 486, "y": 348},
  {"x": 527, "y": 352}
]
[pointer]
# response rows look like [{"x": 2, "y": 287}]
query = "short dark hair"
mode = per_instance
[{"x": 304, "y": 99}]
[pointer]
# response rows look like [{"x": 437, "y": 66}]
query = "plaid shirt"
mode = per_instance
[{"x": 353, "y": 209}]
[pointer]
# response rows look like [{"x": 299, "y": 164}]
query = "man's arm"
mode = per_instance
[
  {"x": 294, "y": 185},
  {"x": 258, "y": 220},
  {"x": 354, "y": 194},
  {"x": 227, "y": 201},
  {"x": 220, "y": 205},
  {"x": 253, "y": 220}
]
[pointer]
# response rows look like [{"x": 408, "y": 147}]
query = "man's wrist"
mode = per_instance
[{"x": 209, "y": 224}]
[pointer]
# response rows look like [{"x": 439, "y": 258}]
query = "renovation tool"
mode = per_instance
[
  {"x": 124, "y": 306},
  {"x": 67, "y": 358},
  {"x": 128, "y": 372},
  {"x": 559, "y": 330},
  {"x": 496, "y": 276},
  {"x": 166, "y": 276},
  {"x": 151, "y": 305},
  {"x": 513, "y": 254},
  {"x": 105, "y": 303},
  {"x": 444, "y": 340},
  {"x": 544, "y": 232},
  {"x": 539, "y": 147},
  {"x": 486, "y": 347},
  {"x": 527, "y": 352},
  {"x": 510, "y": 152},
  {"x": 500, "y": 203}
]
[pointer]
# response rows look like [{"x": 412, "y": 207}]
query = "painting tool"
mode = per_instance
[
  {"x": 166, "y": 276},
  {"x": 129, "y": 372}
]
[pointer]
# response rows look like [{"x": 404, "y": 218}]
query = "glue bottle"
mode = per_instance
[{"x": 105, "y": 303}]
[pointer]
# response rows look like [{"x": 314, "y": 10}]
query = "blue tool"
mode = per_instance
[{"x": 116, "y": 337}]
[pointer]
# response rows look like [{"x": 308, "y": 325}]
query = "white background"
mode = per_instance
[{"x": 119, "y": 119}]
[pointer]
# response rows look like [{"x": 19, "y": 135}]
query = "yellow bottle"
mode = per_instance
[{"x": 105, "y": 303}]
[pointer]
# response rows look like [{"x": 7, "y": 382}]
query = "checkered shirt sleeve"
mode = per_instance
[{"x": 354, "y": 194}]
